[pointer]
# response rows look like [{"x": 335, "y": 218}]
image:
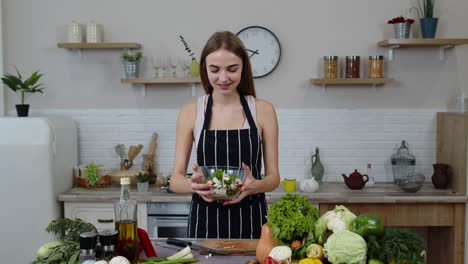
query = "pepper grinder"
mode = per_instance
[
  {"x": 88, "y": 242},
  {"x": 107, "y": 239}
]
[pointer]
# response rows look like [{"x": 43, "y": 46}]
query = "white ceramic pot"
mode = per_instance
[{"x": 142, "y": 186}]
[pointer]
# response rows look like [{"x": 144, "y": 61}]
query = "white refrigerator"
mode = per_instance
[{"x": 37, "y": 156}]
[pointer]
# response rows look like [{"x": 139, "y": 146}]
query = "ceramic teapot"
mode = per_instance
[{"x": 355, "y": 180}]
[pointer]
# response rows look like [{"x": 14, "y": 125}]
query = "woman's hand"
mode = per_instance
[
  {"x": 202, "y": 189},
  {"x": 248, "y": 187}
]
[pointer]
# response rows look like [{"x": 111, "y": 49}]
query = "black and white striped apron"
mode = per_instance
[{"x": 229, "y": 148}]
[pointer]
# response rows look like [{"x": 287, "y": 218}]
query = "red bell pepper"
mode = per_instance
[{"x": 146, "y": 244}]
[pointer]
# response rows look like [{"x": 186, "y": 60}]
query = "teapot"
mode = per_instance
[{"x": 355, "y": 180}]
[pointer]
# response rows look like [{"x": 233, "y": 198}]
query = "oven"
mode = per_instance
[{"x": 168, "y": 219}]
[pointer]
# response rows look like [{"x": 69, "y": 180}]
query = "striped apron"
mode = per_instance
[{"x": 229, "y": 148}]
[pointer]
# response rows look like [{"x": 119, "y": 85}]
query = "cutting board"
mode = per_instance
[{"x": 231, "y": 247}]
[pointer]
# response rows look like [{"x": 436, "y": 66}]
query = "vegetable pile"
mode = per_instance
[{"x": 296, "y": 233}]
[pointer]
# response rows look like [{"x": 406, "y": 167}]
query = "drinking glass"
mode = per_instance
[
  {"x": 164, "y": 64},
  {"x": 186, "y": 63},
  {"x": 173, "y": 62},
  {"x": 156, "y": 62}
]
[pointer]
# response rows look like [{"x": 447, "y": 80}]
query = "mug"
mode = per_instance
[{"x": 288, "y": 185}]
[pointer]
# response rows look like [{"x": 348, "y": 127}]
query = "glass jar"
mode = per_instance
[
  {"x": 352, "y": 66},
  {"x": 403, "y": 163},
  {"x": 376, "y": 66},
  {"x": 330, "y": 67}
]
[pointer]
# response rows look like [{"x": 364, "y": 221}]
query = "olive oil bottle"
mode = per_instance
[{"x": 126, "y": 223}]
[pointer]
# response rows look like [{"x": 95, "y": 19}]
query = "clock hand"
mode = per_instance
[{"x": 253, "y": 51}]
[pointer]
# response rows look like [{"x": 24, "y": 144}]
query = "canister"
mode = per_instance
[
  {"x": 93, "y": 32},
  {"x": 352, "y": 66},
  {"x": 330, "y": 67},
  {"x": 376, "y": 66},
  {"x": 74, "y": 32}
]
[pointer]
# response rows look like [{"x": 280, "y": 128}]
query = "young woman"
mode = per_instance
[{"x": 229, "y": 127}]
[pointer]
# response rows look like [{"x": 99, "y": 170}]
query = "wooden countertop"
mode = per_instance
[{"x": 328, "y": 193}]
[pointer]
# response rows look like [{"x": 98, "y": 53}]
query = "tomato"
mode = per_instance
[{"x": 269, "y": 260}]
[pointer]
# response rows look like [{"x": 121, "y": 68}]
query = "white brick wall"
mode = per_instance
[{"x": 348, "y": 139}]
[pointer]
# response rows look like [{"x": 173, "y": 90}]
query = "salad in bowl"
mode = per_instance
[{"x": 226, "y": 182}]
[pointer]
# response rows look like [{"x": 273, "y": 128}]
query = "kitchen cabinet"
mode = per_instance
[
  {"x": 452, "y": 147},
  {"x": 443, "y": 223},
  {"x": 101, "y": 214}
]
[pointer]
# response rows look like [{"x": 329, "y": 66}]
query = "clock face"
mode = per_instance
[{"x": 263, "y": 48}]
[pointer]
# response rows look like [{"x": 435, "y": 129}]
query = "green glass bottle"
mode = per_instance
[
  {"x": 194, "y": 68},
  {"x": 317, "y": 167}
]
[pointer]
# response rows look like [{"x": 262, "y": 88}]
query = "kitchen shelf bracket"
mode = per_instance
[
  {"x": 390, "y": 51},
  {"x": 442, "y": 50}
]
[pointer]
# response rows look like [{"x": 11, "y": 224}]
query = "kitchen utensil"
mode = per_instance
[
  {"x": 355, "y": 180},
  {"x": 183, "y": 243},
  {"x": 289, "y": 185},
  {"x": 442, "y": 175},
  {"x": 152, "y": 146},
  {"x": 120, "y": 149},
  {"x": 226, "y": 181},
  {"x": 232, "y": 247},
  {"x": 412, "y": 183},
  {"x": 132, "y": 153}
]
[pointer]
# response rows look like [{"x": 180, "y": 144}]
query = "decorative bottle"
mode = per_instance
[
  {"x": 126, "y": 223},
  {"x": 317, "y": 167}
]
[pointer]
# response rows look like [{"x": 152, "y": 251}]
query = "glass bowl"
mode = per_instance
[
  {"x": 226, "y": 181},
  {"x": 412, "y": 182}
]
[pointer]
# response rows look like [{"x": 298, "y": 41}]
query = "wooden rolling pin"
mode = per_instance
[{"x": 152, "y": 146}]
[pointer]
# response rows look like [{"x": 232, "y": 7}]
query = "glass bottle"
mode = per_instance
[
  {"x": 376, "y": 66},
  {"x": 88, "y": 242},
  {"x": 330, "y": 67},
  {"x": 352, "y": 66},
  {"x": 403, "y": 163},
  {"x": 107, "y": 239},
  {"x": 126, "y": 223},
  {"x": 370, "y": 175},
  {"x": 317, "y": 167}
]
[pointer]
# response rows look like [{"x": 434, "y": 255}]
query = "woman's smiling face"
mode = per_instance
[{"x": 224, "y": 71}]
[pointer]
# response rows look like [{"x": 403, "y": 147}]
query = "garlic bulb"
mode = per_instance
[{"x": 309, "y": 185}]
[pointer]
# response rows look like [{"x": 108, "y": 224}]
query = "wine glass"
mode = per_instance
[
  {"x": 186, "y": 63},
  {"x": 164, "y": 64},
  {"x": 173, "y": 62},
  {"x": 156, "y": 61}
]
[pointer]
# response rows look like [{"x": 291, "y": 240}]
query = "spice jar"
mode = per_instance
[
  {"x": 330, "y": 67},
  {"x": 376, "y": 66},
  {"x": 352, "y": 66}
]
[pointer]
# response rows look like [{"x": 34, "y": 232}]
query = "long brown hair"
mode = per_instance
[{"x": 230, "y": 42}]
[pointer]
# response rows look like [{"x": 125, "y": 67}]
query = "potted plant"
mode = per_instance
[
  {"x": 91, "y": 173},
  {"x": 428, "y": 22},
  {"x": 194, "y": 67},
  {"x": 401, "y": 26},
  {"x": 23, "y": 88},
  {"x": 142, "y": 181},
  {"x": 131, "y": 64}
]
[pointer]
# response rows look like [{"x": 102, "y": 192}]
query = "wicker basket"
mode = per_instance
[{"x": 103, "y": 181}]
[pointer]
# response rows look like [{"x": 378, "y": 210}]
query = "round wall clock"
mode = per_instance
[{"x": 263, "y": 48}]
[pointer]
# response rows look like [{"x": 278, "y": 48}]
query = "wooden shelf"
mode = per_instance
[
  {"x": 353, "y": 81},
  {"x": 416, "y": 42},
  {"x": 160, "y": 80},
  {"x": 442, "y": 44},
  {"x": 101, "y": 45},
  {"x": 148, "y": 81}
]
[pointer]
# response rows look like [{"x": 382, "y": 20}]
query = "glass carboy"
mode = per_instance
[{"x": 403, "y": 163}]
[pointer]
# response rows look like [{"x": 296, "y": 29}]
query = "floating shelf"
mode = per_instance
[
  {"x": 101, "y": 45},
  {"x": 160, "y": 80},
  {"x": 442, "y": 44},
  {"x": 352, "y": 81},
  {"x": 147, "y": 81}
]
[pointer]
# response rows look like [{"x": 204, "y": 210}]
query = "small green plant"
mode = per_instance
[
  {"x": 22, "y": 88},
  {"x": 424, "y": 9},
  {"x": 142, "y": 177},
  {"x": 132, "y": 57},
  {"x": 91, "y": 173},
  {"x": 187, "y": 48}
]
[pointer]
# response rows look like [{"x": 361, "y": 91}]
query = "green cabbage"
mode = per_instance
[{"x": 345, "y": 247}]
